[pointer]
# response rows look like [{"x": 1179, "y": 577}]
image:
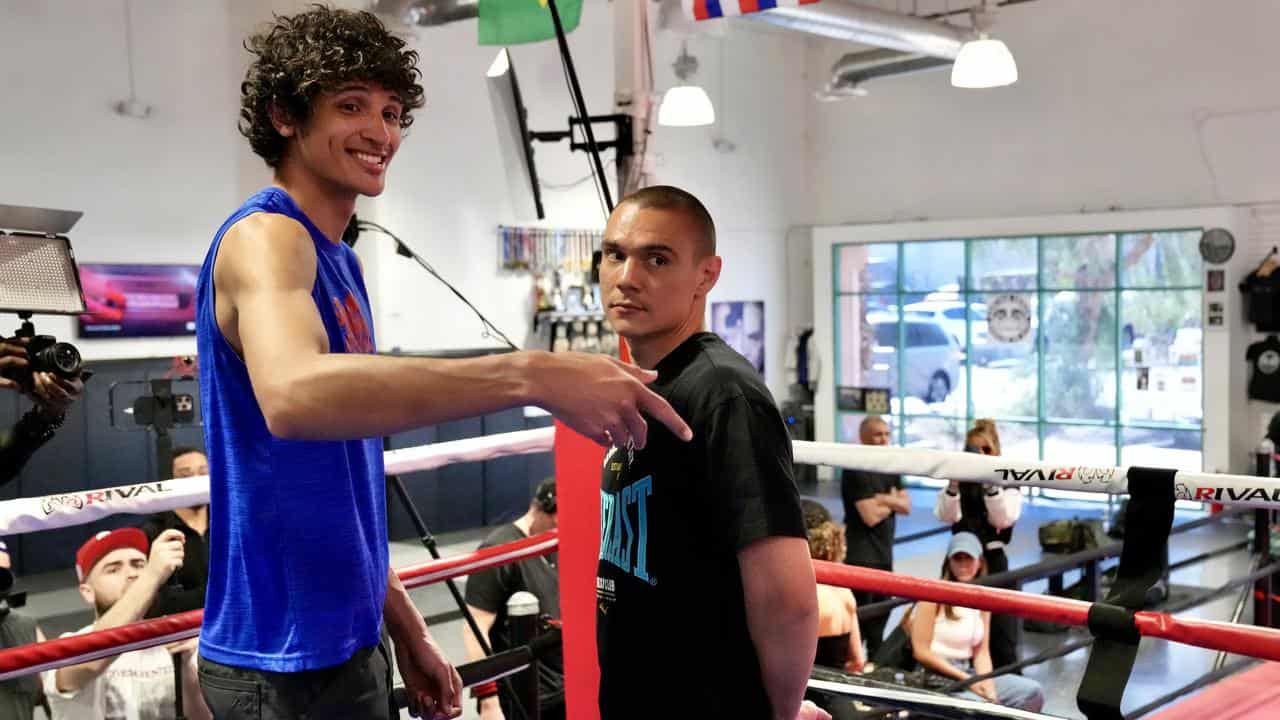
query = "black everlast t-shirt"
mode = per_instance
[
  {"x": 867, "y": 546},
  {"x": 671, "y": 621}
]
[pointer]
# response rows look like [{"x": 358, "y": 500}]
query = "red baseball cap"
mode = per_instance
[{"x": 98, "y": 546}]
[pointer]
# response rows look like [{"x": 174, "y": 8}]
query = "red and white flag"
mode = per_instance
[{"x": 707, "y": 9}]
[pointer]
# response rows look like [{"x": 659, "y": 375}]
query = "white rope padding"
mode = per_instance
[
  {"x": 970, "y": 467},
  {"x": 67, "y": 509}
]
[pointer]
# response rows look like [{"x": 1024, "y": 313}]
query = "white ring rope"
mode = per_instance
[
  {"x": 971, "y": 467},
  {"x": 67, "y": 509}
]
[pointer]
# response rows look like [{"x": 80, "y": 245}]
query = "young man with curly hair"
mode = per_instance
[{"x": 295, "y": 398}]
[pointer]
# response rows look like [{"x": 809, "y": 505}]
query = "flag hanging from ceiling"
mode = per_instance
[
  {"x": 512, "y": 22},
  {"x": 707, "y": 9}
]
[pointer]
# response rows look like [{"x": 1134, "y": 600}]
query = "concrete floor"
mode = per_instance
[{"x": 1161, "y": 666}]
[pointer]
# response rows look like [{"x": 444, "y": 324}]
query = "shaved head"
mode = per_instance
[{"x": 673, "y": 199}]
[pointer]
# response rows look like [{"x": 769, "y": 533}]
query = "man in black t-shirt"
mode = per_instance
[
  {"x": 186, "y": 589},
  {"x": 705, "y": 598},
  {"x": 488, "y": 592},
  {"x": 872, "y": 502}
]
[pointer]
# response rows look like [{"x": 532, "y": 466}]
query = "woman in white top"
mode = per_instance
[
  {"x": 988, "y": 511},
  {"x": 955, "y": 642}
]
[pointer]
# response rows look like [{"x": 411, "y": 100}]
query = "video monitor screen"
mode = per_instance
[{"x": 138, "y": 300}]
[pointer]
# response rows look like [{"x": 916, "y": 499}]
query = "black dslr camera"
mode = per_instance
[{"x": 45, "y": 354}]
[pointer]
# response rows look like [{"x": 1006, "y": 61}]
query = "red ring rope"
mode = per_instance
[
  {"x": 76, "y": 649},
  {"x": 1239, "y": 639}
]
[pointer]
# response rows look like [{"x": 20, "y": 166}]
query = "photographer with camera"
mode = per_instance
[
  {"x": 21, "y": 696},
  {"x": 51, "y": 380}
]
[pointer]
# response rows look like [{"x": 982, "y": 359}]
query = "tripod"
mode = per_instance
[{"x": 160, "y": 412}]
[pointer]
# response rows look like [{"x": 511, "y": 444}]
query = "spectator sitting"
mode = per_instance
[
  {"x": 989, "y": 512},
  {"x": 954, "y": 641},
  {"x": 839, "y": 641},
  {"x": 487, "y": 595},
  {"x": 120, "y": 582},
  {"x": 815, "y": 513},
  {"x": 19, "y": 696},
  {"x": 187, "y": 593}
]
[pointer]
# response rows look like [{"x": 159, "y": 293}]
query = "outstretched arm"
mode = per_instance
[{"x": 263, "y": 278}]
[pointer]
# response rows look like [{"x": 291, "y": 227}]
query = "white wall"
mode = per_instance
[
  {"x": 1135, "y": 104},
  {"x": 1141, "y": 104},
  {"x": 152, "y": 190},
  {"x": 755, "y": 185},
  {"x": 446, "y": 192}
]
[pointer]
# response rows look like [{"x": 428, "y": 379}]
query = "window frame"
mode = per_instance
[{"x": 970, "y": 293}]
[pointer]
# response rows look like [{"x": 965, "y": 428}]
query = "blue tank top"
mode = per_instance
[{"x": 297, "y": 529}]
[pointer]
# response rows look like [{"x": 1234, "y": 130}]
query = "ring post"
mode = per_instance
[
  {"x": 1264, "y": 588},
  {"x": 578, "y": 464},
  {"x": 522, "y": 614}
]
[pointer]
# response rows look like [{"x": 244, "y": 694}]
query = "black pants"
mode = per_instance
[
  {"x": 1004, "y": 628},
  {"x": 872, "y": 630},
  {"x": 358, "y": 688}
]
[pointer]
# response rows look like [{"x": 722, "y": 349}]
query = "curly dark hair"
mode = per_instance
[{"x": 301, "y": 56}]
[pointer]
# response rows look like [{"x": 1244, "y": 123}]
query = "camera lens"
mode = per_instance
[{"x": 64, "y": 358}]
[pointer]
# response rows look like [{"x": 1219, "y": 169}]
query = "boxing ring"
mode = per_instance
[{"x": 1116, "y": 624}]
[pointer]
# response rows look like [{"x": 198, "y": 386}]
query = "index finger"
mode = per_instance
[{"x": 661, "y": 410}]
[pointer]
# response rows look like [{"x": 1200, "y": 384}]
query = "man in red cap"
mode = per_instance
[{"x": 119, "y": 577}]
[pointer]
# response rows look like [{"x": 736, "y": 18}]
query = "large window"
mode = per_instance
[{"x": 1095, "y": 359}]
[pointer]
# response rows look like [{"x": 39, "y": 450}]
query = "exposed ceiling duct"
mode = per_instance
[
  {"x": 851, "y": 72},
  {"x": 870, "y": 26},
  {"x": 428, "y": 12},
  {"x": 908, "y": 43},
  {"x": 831, "y": 18}
]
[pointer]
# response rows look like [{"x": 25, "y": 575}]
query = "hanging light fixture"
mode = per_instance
[
  {"x": 985, "y": 62},
  {"x": 686, "y": 105}
]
